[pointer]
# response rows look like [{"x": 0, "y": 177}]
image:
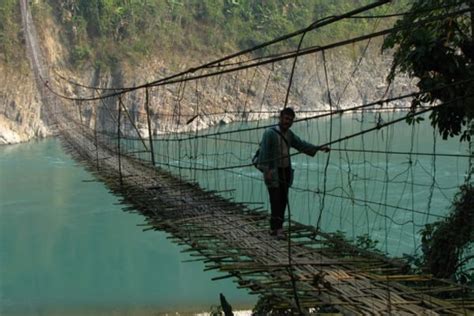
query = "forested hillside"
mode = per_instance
[
  {"x": 131, "y": 29},
  {"x": 11, "y": 40},
  {"x": 125, "y": 42}
]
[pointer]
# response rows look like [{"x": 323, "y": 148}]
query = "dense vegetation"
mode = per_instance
[
  {"x": 110, "y": 30},
  {"x": 440, "y": 54},
  {"x": 446, "y": 243},
  {"x": 11, "y": 50}
]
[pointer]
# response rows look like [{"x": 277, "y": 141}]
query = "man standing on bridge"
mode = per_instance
[{"x": 275, "y": 163}]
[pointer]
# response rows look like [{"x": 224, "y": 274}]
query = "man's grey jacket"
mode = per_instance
[{"x": 270, "y": 153}]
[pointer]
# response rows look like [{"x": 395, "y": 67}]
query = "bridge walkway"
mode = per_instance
[{"x": 324, "y": 272}]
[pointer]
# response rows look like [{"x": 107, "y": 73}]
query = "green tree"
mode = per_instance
[
  {"x": 439, "y": 53},
  {"x": 99, "y": 31},
  {"x": 11, "y": 51}
]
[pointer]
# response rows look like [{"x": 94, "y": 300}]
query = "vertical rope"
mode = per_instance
[
  {"x": 150, "y": 135},
  {"x": 245, "y": 112},
  {"x": 351, "y": 191},
  {"x": 321, "y": 209},
  {"x": 293, "y": 68},
  {"x": 196, "y": 133},
  {"x": 385, "y": 194},
  {"x": 181, "y": 92},
  {"x": 95, "y": 135},
  {"x": 118, "y": 141},
  {"x": 412, "y": 177},
  {"x": 364, "y": 159},
  {"x": 264, "y": 94},
  {"x": 292, "y": 277}
]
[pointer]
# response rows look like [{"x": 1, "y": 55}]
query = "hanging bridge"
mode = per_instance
[
  {"x": 199, "y": 186},
  {"x": 233, "y": 238}
]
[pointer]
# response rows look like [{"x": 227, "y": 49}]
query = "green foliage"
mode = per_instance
[
  {"x": 136, "y": 28},
  {"x": 11, "y": 51},
  {"x": 367, "y": 243},
  {"x": 415, "y": 262},
  {"x": 414, "y": 120},
  {"x": 439, "y": 53},
  {"x": 363, "y": 242},
  {"x": 444, "y": 243},
  {"x": 81, "y": 52}
]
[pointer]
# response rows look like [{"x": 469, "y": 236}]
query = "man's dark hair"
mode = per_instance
[{"x": 287, "y": 111}]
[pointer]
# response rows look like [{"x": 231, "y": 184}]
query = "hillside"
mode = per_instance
[{"x": 124, "y": 43}]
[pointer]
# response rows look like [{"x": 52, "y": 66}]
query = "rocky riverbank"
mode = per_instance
[{"x": 251, "y": 94}]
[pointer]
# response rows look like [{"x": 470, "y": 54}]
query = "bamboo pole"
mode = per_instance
[{"x": 150, "y": 134}]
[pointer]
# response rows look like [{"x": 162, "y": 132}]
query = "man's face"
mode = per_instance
[{"x": 286, "y": 121}]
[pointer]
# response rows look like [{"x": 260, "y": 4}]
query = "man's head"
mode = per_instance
[{"x": 287, "y": 115}]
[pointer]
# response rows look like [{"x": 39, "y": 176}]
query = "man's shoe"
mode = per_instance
[{"x": 280, "y": 233}]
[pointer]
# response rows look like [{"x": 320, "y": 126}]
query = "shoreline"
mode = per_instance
[
  {"x": 302, "y": 114},
  {"x": 239, "y": 310}
]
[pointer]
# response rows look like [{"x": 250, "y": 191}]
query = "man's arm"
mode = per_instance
[{"x": 306, "y": 147}]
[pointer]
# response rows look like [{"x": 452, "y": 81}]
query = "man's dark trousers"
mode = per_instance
[{"x": 279, "y": 198}]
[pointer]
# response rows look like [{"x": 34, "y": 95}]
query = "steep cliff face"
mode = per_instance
[
  {"x": 250, "y": 94},
  {"x": 19, "y": 99},
  {"x": 20, "y": 107}
]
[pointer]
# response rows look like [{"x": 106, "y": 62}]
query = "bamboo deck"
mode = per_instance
[{"x": 233, "y": 238}]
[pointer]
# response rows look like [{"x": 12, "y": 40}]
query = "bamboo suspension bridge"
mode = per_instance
[
  {"x": 307, "y": 271},
  {"x": 233, "y": 238}
]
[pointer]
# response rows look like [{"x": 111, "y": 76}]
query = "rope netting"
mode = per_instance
[{"x": 384, "y": 183}]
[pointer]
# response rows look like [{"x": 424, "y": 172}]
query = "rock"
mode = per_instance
[{"x": 8, "y": 136}]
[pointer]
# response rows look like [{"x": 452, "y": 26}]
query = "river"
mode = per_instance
[
  {"x": 386, "y": 184},
  {"x": 66, "y": 247}
]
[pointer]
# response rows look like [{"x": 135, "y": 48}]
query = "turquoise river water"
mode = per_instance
[{"x": 66, "y": 247}]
